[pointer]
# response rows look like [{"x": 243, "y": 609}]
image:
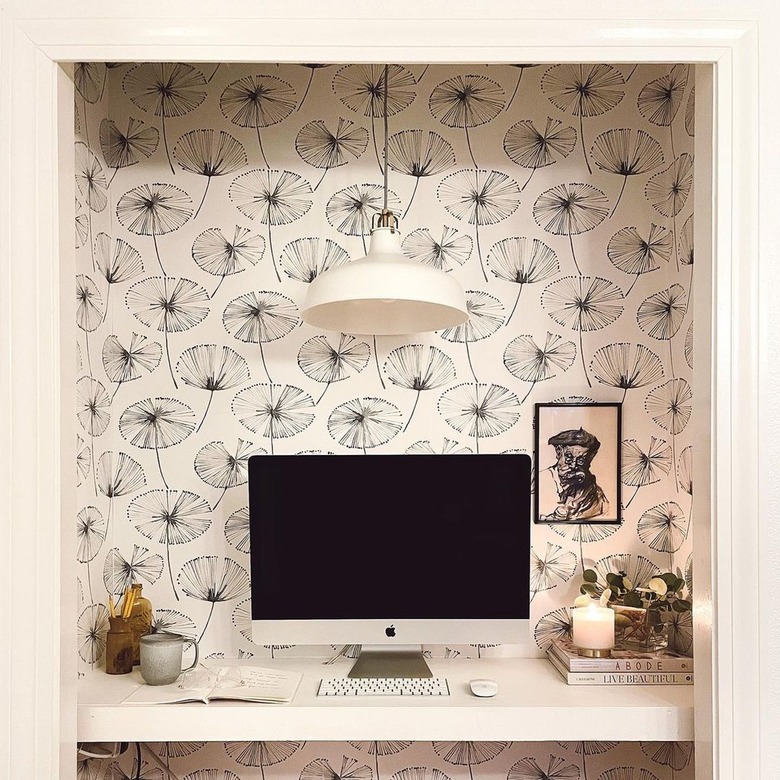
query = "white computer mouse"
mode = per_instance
[{"x": 483, "y": 687}]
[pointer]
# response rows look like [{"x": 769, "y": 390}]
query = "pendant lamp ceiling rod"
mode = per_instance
[{"x": 385, "y": 292}]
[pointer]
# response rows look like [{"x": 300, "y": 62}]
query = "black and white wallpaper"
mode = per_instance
[{"x": 209, "y": 196}]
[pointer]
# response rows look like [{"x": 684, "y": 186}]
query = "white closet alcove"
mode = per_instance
[{"x": 38, "y": 429}]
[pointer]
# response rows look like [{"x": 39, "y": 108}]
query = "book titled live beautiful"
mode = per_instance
[
  {"x": 620, "y": 678},
  {"x": 659, "y": 661},
  {"x": 236, "y": 683}
]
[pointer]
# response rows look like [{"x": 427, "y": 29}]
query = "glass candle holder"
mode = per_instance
[{"x": 593, "y": 630}]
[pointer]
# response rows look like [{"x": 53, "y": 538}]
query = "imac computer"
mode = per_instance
[{"x": 390, "y": 552}]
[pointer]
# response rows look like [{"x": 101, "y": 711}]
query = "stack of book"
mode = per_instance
[{"x": 624, "y": 667}]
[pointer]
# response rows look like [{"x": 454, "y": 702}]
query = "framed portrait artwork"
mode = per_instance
[{"x": 577, "y": 463}]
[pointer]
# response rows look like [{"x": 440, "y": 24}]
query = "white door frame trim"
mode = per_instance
[{"x": 37, "y": 373}]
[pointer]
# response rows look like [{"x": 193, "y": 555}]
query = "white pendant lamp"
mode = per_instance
[{"x": 384, "y": 293}]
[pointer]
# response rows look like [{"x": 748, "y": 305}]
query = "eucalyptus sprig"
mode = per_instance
[{"x": 662, "y": 593}]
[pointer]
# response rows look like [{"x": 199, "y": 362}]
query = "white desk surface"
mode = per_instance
[{"x": 533, "y": 704}]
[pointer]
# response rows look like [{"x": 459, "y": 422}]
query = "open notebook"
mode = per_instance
[{"x": 238, "y": 683}]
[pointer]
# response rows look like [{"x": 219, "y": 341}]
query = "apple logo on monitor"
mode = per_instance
[{"x": 390, "y": 631}]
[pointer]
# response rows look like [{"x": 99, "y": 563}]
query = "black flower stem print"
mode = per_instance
[
  {"x": 660, "y": 99},
  {"x": 214, "y": 581},
  {"x": 571, "y": 209},
  {"x": 675, "y": 755},
  {"x": 311, "y": 68},
  {"x": 322, "y": 363},
  {"x": 486, "y": 316},
  {"x": 258, "y": 101},
  {"x": 273, "y": 411},
  {"x": 584, "y": 533},
  {"x": 557, "y": 564},
  {"x": 119, "y": 573},
  {"x": 479, "y": 410},
  {"x": 469, "y": 753},
  {"x": 376, "y": 363},
  {"x": 120, "y": 264},
  {"x": 640, "y": 468},
  {"x": 664, "y": 528},
  {"x": 93, "y": 410},
  {"x": 527, "y": 361},
  {"x": 418, "y": 154},
  {"x": 466, "y": 101},
  {"x": 90, "y": 535},
  {"x": 92, "y": 185},
  {"x": 205, "y": 153},
  {"x": 118, "y": 476},
  {"x": 154, "y": 209},
  {"x": 89, "y": 310},
  {"x": 168, "y": 304},
  {"x": 634, "y": 255},
  {"x": 273, "y": 197},
  {"x": 222, "y": 469},
  {"x": 668, "y": 191},
  {"x": 417, "y": 367},
  {"x": 364, "y": 423},
  {"x": 521, "y": 69},
  {"x": 123, "y": 149},
  {"x": 583, "y": 303},
  {"x": 325, "y": 149},
  {"x": 381, "y": 748},
  {"x": 625, "y": 366},
  {"x": 220, "y": 256},
  {"x": 157, "y": 423},
  {"x": 522, "y": 261},
  {"x": 583, "y": 90},
  {"x": 166, "y": 90},
  {"x": 375, "y": 91},
  {"x": 588, "y": 748},
  {"x": 351, "y": 210},
  {"x": 481, "y": 197},
  {"x": 212, "y": 367},
  {"x": 170, "y": 517},
  {"x": 660, "y": 315},
  {"x": 124, "y": 364},
  {"x": 669, "y": 405},
  {"x": 259, "y": 754},
  {"x": 91, "y": 629},
  {"x": 89, "y": 79},
  {"x": 258, "y": 318},
  {"x": 623, "y": 153}
]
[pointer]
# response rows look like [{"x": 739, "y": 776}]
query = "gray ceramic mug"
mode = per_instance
[{"x": 161, "y": 657}]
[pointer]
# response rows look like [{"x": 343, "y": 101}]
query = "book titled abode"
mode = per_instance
[{"x": 624, "y": 667}]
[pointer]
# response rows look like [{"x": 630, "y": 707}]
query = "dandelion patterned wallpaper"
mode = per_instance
[{"x": 209, "y": 196}]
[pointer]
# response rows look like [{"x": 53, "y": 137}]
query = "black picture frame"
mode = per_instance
[{"x": 577, "y": 457}]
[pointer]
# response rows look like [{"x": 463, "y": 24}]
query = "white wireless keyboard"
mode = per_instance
[{"x": 384, "y": 686}]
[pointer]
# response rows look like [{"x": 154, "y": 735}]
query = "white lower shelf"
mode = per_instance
[{"x": 533, "y": 704}]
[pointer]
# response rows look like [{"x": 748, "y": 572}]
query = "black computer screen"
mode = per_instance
[{"x": 390, "y": 536}]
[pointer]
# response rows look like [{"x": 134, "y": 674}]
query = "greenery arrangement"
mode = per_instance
[{"x": 644, "y": 613}]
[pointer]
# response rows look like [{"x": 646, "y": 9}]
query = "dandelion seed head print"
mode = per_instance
[{"x": 209, "y": 196}]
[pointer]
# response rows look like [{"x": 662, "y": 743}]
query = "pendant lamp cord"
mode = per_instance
[
  {"x": 384, "y": 111},
  {"x": 386, "y": 218}
]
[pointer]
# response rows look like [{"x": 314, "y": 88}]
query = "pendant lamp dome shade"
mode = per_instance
[{"x": 384, "y": 293}]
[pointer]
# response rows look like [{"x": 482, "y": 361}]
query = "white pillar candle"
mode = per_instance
[{"x": 593, "y": 627}]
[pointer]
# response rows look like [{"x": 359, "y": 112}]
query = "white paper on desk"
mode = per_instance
[
  {"x": 238, "y": 683},
  {"x": 255, "y": 683}
]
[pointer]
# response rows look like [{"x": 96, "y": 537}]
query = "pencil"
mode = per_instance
[
  {"x": 128, "y": 605},
  {"x": 111, "y": 607}
]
